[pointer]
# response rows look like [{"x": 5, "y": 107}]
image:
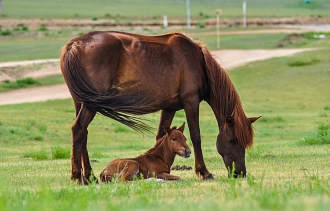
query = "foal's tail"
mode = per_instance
[{"x": 124, "y": 107}]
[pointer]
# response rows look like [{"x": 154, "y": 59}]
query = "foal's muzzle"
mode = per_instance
[{"x": 186, "y": 153}]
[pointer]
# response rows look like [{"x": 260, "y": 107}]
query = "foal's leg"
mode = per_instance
[
  {"x": 79, "y": 142},
  {"x": 166, "y": 115},
  {"x": 167, "y": 176},
  {"x": 130, "y": 169},
  {"x": 123, "y": 169},
  {"x": 191, "y": 108}
]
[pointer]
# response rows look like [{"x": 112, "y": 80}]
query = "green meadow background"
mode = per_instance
[
  {"x": 116, "y": 8},
  {"x": 288, "y": 166}
]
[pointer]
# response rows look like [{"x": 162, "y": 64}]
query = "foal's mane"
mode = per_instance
[{"x": 225, "y": 99}]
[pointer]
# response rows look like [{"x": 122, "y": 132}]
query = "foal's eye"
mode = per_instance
[{"x": 172, "y": 139}]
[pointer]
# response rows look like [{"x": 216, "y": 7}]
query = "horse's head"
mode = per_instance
[
  {"x": 231, "y": 146},
  {"x": 177, "y": 141}
]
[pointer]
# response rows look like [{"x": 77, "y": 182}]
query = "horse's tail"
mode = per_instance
[{"x": 124, "y": 107}]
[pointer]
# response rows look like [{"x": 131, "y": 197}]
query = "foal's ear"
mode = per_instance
[
  {"x": 253, "y": 119},
  {"x": 182, "y": 127}
]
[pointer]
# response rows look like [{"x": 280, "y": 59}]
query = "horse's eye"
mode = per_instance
[
  {"x": 173, "y": 139},
  {"x": 232, "y": 141}
]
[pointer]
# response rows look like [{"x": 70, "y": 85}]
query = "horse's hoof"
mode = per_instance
[
  {"x": 208, "y": 177},
  {"x": 91, "y": 180}
]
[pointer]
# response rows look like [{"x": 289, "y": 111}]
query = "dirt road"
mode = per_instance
[{"x": 227, "y": 58}]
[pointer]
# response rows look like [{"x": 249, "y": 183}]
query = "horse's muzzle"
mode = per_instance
[{"x": 236, "y": 174}]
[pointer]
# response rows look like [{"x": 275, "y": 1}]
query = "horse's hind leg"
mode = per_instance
[
  {"x": 86, "y": 166},
  {"x": 166, "y": 115},
  {"x": 79, "y": 142}
]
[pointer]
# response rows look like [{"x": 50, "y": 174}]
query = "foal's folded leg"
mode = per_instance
[
  {"x": 128, "y": 169},
  {"x": 167, "y": 176},
  {"x": 121, "y": 169}
]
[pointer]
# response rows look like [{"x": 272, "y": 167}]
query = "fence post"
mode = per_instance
[{"x": 218, "y": 13}]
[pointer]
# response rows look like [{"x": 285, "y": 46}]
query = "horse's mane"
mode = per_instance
[{"x": 225, "y": 98}]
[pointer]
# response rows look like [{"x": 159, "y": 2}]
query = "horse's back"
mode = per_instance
[{"x": 171, "y": 62}]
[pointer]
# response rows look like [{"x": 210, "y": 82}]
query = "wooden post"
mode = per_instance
[
  {"x": 188, "y": 13},
  {"x": 165, "y": 22},
  {"x": 218, "y": 13},
  {"x": 244, "y": 14},
  {"x": 1, "y": 7}
]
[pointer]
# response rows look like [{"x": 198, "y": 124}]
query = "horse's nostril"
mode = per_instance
[{"x": 236, "y": 175}]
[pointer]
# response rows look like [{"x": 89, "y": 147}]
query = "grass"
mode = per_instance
[
  {"x": 15, "y": 46},
  {"x": 21, "y": 83},
  {"x": 320, "y": 137},
  {"x": 287, "y": 166},
  {"x": 284, "y": 171},
  {"x": 125, "y": 9},
  {"x": 30, "y": 48},
  {"x": 30, "y": 82}
]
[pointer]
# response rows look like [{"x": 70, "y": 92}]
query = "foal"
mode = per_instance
[{"x": 156, "y": 162}]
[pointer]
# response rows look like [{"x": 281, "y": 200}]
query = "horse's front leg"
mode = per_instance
[
  {"x": 79, "y": 142},
  {"x": 192, "y": 113},
  {"x": 166, "y": 115}
]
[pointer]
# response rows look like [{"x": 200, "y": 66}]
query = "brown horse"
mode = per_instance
[
  {"x": 156, "y": 162},
  {"x": 123, "y": 75}
]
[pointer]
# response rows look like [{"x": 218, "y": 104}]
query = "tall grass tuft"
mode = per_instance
[
  {"x": 320, "y": 137},
  {"x": 60, "y": 153},
  {"x": 298, "y": 63},
  {"x": 20, "y": 83},
  {"x": 37, "y": 155}
]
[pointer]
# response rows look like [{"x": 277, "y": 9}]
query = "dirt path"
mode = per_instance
[{"x": 227, "y": 58}]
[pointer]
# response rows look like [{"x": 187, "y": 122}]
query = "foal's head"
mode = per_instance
[{"x": 177, "y": 141}]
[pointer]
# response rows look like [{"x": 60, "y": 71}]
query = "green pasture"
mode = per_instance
[
  {"x": 125, "y": 10},
  {"x": 44, "y": 43},
  {"x": 288, "y": 166}
]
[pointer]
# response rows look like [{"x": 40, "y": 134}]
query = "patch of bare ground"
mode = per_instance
[
  {"x": 12, "y": 71},
  {"x": 58, "y": 23}
]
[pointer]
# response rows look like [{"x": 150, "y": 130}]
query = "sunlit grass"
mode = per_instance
[{"x": 282, "y": 173}]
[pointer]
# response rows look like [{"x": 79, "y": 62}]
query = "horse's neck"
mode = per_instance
[{"x": 220, "y": 117}]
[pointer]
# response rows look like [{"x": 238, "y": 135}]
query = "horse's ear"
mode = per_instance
[
  {"x": 166, "y": 126},
  {"x": 182, "y": 127},
  {"x": 253, "y": 119},
  {"x": 230, "y": 120}
]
